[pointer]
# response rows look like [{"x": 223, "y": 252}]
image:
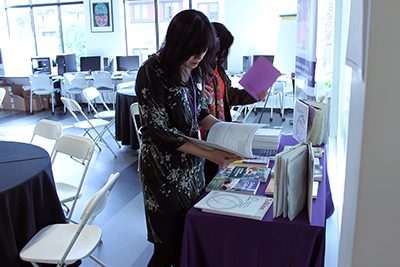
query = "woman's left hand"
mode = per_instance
[{"x": 262, "y": 95}]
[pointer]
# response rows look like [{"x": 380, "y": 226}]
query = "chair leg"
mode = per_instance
[
  {"x": 97, "y": 261},
  {"x": 31, "y": 102}
]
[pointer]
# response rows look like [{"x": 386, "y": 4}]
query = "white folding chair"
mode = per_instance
[
  {"x": 78, "y": 147},
  {"x": 73, "y": 84},
  {"x": 103, "y": 82},
  {"x": 48, "y": 129},
  {"x": 2, "y": 94},
  {"x": 42, "y": 84},
  {"x": 88, "y": 124},
  {"x": 91, "y": 94},
  {"x": 64, "y": 244},
  {"x": 134, "y": 109}
]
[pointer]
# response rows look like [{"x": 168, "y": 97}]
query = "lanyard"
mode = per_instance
[
  {"x": 193, "y": 106},
  {"x": 211, "y": 79},
  {"x": 194, "y": 109}
]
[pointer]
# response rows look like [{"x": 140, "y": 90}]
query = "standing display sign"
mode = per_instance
[{"x": 306, "y": 46}]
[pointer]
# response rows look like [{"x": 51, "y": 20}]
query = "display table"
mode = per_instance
[
  {"x": 218, "y": 240},
  {"x": 124, "y": 127},
  {"x": 28, "y": 198}
]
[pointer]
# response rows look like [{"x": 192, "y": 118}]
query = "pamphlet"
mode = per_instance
[{"x": 260, "y": 77}]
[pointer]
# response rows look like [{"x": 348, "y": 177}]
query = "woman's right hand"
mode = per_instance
[
  {"x": 222, "y": 158},
  {"x": 208, "y": 91}
]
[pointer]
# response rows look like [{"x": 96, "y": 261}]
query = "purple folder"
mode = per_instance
[{"x": 259, "y": 77}]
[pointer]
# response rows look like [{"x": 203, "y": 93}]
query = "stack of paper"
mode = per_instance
[
  {"x": 234, "y": 204},
  {"x": 267, "y": 138}
]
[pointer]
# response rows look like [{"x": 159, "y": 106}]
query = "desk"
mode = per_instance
[
  {"x": 28, "y": 198},
  {"x": 217, "y": 240},
  {"x": 124, "y": 127}
]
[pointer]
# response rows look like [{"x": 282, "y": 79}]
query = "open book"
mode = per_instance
[
  {"x": 236, "y": 138},
  {"x": 311, "y": 121},
  {"x": 293, "y": 188},
  {"x": 260, "y": 77}
]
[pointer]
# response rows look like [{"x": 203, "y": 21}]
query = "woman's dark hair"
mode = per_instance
[
  {"x": 225, "y": 42},
  {"x": 189, "y": 33}
]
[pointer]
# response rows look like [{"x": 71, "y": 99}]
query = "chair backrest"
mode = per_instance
[
  {"x": 79, "y": 147},
  {"x": 92, "y": 93},
  {"x": 40, "y": 81},
  {"x": 93, "y": 208},
  {"x": 73, "y": 107},
  {"x": 74, "y": 80},
  {"x": 129, "y": 76},
  {"x": 102, "y": 79},
  {"x": 126, "y": 85},
  {"x": 48, "y": 129},
  {"x": 99, "y": 200},
  {"x": 135, "y": 112},
  {"x": 2, "y": 94}
]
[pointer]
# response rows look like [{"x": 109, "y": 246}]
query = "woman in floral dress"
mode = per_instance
[{"x": 170, "y": 92}]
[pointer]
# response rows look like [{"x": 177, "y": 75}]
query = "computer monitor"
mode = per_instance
[
  {"x": 269, "y": 57},
  {"x": 126, "y": 63},
  {"x": 90, "y": 63},
  {"x": 41, "y": 65},
  {"x": 66, "y": 63}
]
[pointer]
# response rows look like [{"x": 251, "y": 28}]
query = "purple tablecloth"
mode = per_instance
[{"x": 217, "y": 240}]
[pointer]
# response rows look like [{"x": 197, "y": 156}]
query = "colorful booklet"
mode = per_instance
[
  {"x": 242, "y": 172},
  {"x": 245, "y": 186}
]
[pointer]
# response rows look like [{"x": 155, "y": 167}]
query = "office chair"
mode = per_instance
[
  {"x": 42, "y": 84},
  {"x": 88, "y": 124},
  {"x": 91, "y": 94},
  {"x": 73, "y": 84},
  {"x": 64, "y": 244},
  {"x": 48, "y": 129},
  {"x": 129, "y": 76},
  {"x": 78, "y": 147},
  {"x": 134, "y": 109},
  {"x": 104, "y": 83}
]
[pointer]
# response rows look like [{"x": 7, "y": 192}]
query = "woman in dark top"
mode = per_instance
[
  {"x": 169, "y": 88},
  {"x": 219, "y": 91}
]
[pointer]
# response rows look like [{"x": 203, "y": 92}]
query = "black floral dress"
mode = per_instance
[{"x": 171, "y": 180}]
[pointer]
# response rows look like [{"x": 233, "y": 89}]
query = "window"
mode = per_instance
[
  {"x": 210, "y": 9},
  {"x": 35, "y": 30}
]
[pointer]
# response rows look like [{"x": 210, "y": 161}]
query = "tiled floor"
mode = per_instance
[{"x": 123, "y": 224}]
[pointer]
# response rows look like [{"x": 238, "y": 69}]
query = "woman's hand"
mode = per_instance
[
  {"x": 262, "y": 95},
  {"x": 208, "y": 91},
  {"x": 222, "y": 158}
]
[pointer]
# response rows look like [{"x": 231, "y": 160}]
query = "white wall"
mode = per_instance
[
  {"x": 255, "y": 26},
  {"x": 107, "y": 44},
  {"x": 373, "y": 166}
]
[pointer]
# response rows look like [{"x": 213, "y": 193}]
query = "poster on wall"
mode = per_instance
[
  {"x": 306, "y": 46},
  {"x": 101, "y": 16}
]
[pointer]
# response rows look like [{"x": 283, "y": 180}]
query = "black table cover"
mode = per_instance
[{"x": 28, "y": 198}]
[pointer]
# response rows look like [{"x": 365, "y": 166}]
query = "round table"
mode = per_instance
[
  {"x": 124, "y": 127},
  {"x": 28, "y": 198}
]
